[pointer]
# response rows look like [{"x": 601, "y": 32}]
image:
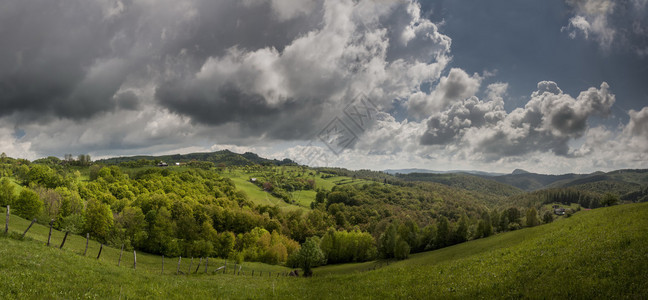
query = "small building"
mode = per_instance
[
  {"x": 253, "y": 180},
  {"x": 177, "y": 164},
  {"x": 559, "y": 211},
  {"x": 162, "y": 164}
]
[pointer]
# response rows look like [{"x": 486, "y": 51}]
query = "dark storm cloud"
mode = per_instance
[
  {"x": 284, "y": 91},
  {"x": 55, "y": 58},
  {"x": 70, "y": 58},
  {"x": 228, "y": 104},
  {"x": 127, "y": 100}
]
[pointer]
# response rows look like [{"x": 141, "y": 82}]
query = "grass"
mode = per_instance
[
  {"x": 593, "y": 254},
  {"x": 147, "y": 262},
  {"x": 303, "y": 198},
  {"x": 256, "y": 194}
]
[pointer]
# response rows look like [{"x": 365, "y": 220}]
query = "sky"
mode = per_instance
[{"x": 546, "y": 86}]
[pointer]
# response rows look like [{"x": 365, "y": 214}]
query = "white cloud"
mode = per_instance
[
  {"x": 457, "y": 86},
  {"x": 609, "y": 23}
]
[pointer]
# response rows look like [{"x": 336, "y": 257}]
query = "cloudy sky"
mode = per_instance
[{"x": 548, "y": 86}]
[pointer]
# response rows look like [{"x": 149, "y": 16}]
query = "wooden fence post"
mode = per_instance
[
  {"x": 100, "y": 248},
  {"x": 178, "y": 269},
  {"x": 120, "y": 255},
  {"x": 198, "y": 267},
  {"x": 252, "y": 273},
  {"x": 134, "y": 260},
  {"x": 7, "y": 221},
  {"x": 190, "y": 264},
  {"x": 224, "y": 267},
  {"x": 64, "y": 239},
  {"x": 87, "y": 240},
  {"x": 162, "y": 264},
  {"x": 206, "y": 263},
  {"x": 49, "y": 236},
  {"x": 30, "y": 225}
]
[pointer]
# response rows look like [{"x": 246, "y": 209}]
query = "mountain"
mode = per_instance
[
  {"x": 225, "y": 157},
  {"x": 619, "y": 182},
  {"x": 532, "y": 181},
  {"x": 520, "y": 171},
  {"x": 465, "y": 181},
  {"x": 415, "y": 170}
]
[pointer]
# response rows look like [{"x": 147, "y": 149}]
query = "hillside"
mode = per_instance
[
  {"x": 225, "y": 157},
  {"x": 465, "y": 181},
  {"x": 619, "y": 181},
  {"x": 416, "y": 170},
  {"x": 532, "y": 181},
  {"x": 594, "y": 254}
]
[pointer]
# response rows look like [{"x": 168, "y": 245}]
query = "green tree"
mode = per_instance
[
  {"x": 485, "y": 226},
  {"x": 98, "y": 219},
  {"x": 609, "y": 199},
  {"x": 161, "y": 233},
  {"x": 460, "y": 235},
  {"x": 532, "y": 217},
  {"x": 547, "y": 217},
  {"x": 6, "y": 192},
  {"x": 225, "y": 244},
  {"x": 71, "y": 201},
  {"x": 27, "y": 205},
  {"x": 131, "y": 225},
  {"x": 513, "y": 215},
  {"x": 443, "y": 232},
  {"x": 310, "y": 255},
  {"x": 402, "y": 249},
  {"x": 388, "y": 241}
]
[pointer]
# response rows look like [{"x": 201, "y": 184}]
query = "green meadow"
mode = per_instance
[
  {"x": 599, "y": 253},
  {"x": 303, "y": 198}
]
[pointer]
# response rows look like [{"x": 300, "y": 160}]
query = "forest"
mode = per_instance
[{"x": 195, "y": 209}]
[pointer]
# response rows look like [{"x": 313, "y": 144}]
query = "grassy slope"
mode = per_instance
[
  {"x": 303, "y": 198},
  {"x": 151, "y": 263},
  {"x": 594, "y": 254}
]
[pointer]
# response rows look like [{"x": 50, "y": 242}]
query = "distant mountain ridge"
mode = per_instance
[
  {"x": 614, "y": 181},
  {"x": 628, "y": 184},
  {"x": 225, "y": 157},
  {"x": 416, "y": 170},
  {"x": 620, "y": 181}
]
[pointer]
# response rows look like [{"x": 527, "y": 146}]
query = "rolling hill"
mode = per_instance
[
  {"x": 225, "y": 157},
  {"x": 465, "y": 181},
  {"x": 594, "y": 254}
]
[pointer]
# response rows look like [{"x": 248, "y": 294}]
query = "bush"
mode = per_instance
[
  {"x": 238, "y": 257},
  {"x": 99, "y": 219},
  {"x": 310, "y": 255},
  {"x": 73, "y": 223},
  {"x": 6, "y": 192},
  {"x": 402, "y": 250},
  {"x": 28, "y": 205}
]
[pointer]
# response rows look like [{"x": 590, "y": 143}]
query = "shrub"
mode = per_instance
[{"x": 28, "y": 205}]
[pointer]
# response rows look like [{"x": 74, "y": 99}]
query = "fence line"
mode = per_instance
[{"x": 235, "y": 271}]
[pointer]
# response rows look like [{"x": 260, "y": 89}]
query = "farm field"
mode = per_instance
[
  {"x": 303, "y": 198},
  {"x": 593, "y": 254}
]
